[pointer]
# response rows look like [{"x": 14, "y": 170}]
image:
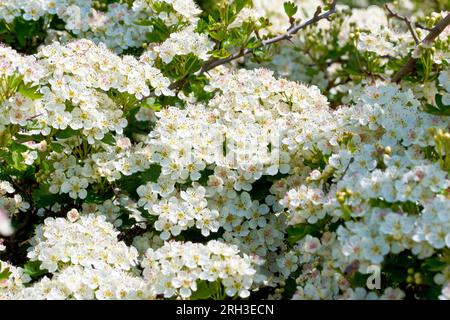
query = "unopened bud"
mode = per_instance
[{"x": 388, "y": 150}]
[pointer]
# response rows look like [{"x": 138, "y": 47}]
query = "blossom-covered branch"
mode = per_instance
[
  {"x": 432, "y": 35},
  {"x": 410, "y": 25},
  {"x": 286, "y": 36}
]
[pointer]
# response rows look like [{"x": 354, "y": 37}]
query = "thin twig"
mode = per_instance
[
  {"x": 421, "y": 26},
  {"x": 431, "y": 36},
  {"x": 286, "y": 36},
  {"x": 406, "y": 20}
]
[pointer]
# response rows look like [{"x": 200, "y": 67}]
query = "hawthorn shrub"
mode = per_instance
[{"x": 157, "y": 149}]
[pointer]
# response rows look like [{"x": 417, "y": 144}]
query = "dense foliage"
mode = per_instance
[{"x": 224, "y": 149}]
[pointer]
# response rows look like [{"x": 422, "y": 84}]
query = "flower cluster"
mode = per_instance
[
  {"x": 15, "y": 281},
  {"x": 76, "y": 282},
  {"x": 319, "y": 280},
  {"x": 119, "y": 26},
  {"x": 134, "y": 165},
  {"x": 175, "y": 268},
  {"x": 188, "y": 145},
  {"x": 35, "y": 9},
  {"x": 363, "y": 38},
  {"x": 13, "y": 63},
  {"x": 275, "y": 12},
  {"x": 88, "y": 242},
  {"x": 180, "y": 10},
  {"x": 381, "y": 185},
  {"x": 185, "y": 42},
  {"x": 86, "y": 260}
]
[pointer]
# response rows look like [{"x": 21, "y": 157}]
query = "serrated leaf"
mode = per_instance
[
  {"x": 18, "y": 163},
  {"x": 30, "y": 92},
  {"x": 202, "y": 26},
  {"x": 218, "y": 35},
  {"x": 151, "y": 103},
  {"x": 220, "y": 53},
  {"x": 290, "y": 8},
  {"x": 253, "y": 43}
]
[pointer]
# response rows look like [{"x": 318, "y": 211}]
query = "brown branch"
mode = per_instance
[
  {"x": 431, "y": 36},
  {"x": 406, "y": 20},
  {"x": 286, "y": 36}
]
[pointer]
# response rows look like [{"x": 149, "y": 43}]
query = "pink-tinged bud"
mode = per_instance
[
  {"x": 73, "y": 215},
  {"x": 42, "y": 146},
  {"x": 123, "y": 143}
]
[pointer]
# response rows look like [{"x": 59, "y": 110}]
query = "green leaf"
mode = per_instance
[
  {"x": 439, "y": 102},
  {"x": 202, "y": 292},
  {"x": 202, "y": 26},
  {"x": 297, "y": 233},
  {"x": 433, "y": 292},
  {"x": 143, "y": 22},
  {"x": 220, "y": 53},
  {"x": 29, "y": 137},
  {"x": 395, "y": 273},
  {"x": 57, "y": 147},
  {"x": 66, "y": 133},
  {"x": 109, "y": 139},
  {"x": 434, "y": 264},
  {"x": 151, "y": 103},
  {"x": 57, "y": 24},
  {"x": 23, "y": 31},
  {"x": 132, "y": 182},
  {"x": 253, "y": 43},
  {"x": 241, "y": 4},
  {"x": 33, "y": 269},
  {"x": 359, "y": 280},
  {"x": 433, "y": 110},
  {"x": 94, "y": 197},
  {"x": 160, "y": 30},
  {"x": 440, "y": 109},
  {"x": 30, "y": 92},
  {"x": 204, "y": 176},
  {"x": 151, "y": 174},
  {"x": 18, "y": 163},
  {"x": 4, "y": 274},
  {"x": 217, "y": 32},
  {"x": 17, "y": 147},
  {"x": 290, "y": 8},
  {"x": 42, "y": 197},
  {"x": 289, "y": 288}
]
